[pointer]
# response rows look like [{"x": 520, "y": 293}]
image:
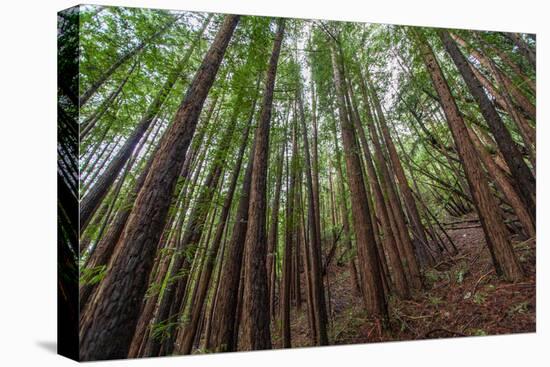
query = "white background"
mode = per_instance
[{"x": 28, "y": 182}]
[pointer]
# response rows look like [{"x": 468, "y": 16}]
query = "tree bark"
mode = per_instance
[
  {"x": 490, "y": 215},
  {"x": 505, "y": 185},
  {"x": 395, "y": 212},
  {"x": 412, "y": 210},
  {"x": 91, "y": 201},
  {"x": 290, "y": 242},
  {"x": 274, "y": 228},
  {"x": 224, "y": 334},
  {"x": 256, "y": 325},
  {"x": 397, "y": 270},
  {"x": 375, "y": 302},
  {"x": 190, "y": 330},
  {"x": 525, "y": 182},
  {"x": 318, "y": 292},
  {"x": 344, "y": 211},
  {"x": 108, "y": 332}
]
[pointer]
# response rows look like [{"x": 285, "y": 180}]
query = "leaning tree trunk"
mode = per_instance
[
  {"x": 93, "y": 198},
  {"x": 225, "y": 311},
  {"x": 490, "y": 215},
  {"x": 108, "y": 331},
  {"x": 371, "y": 278},
  {"x": 412, "y": 210},
  {"x": 390, "y": 244},
  {"x": 190, "y": 329},
  {"x": 105, "y": 246},
  {"x": 505, "y": 185},
  {"x": 395, "y": 212},
  {"x": 173, "y": 300},
  {"x": 525, "y": 182},
  {"x": 502, "y": 79}
]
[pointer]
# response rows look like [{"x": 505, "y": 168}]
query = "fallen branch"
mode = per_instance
[
  {"x": 464, "y": 227},
  {"x": 479, "y": 281},
  {"x": 461, "y": 221}
]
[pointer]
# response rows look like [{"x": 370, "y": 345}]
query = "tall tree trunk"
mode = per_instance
[
  {"x": 108, "y": 331},
  {"x": 525, "y": 182},
  {"x": 190, "y": 329},
  {"x": 274, "y": 228},
  {"x": 256, "y": 325},
  {"x": 307, "y": 265},
  {"x": 395, "y": 212},
  {"x": 344, "y": 212},
  {"x": 490, "y": 214},
  {"x": 318, "y": 292},
  {"x": 290, "y": 242},
  {"x": 224, "y": 334},
  {"x": 371, "y": 278},
  {"x": 214, "y": 293},
  {"x": 397, "y": 270},
  {"x": 412, "y": 210},
  {"x": 173, "y": 302},
  {"x": 171, "y": 235},
  {"x": 105, "y": 246},
  {"x": 91, "y": 201}
]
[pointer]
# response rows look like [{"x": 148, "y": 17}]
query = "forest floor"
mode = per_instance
[{"x": 462, "y": 297}]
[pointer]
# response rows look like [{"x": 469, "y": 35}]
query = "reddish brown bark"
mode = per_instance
[
  {"x": 490, "y": 214},
  {"x": 397, "y": 271},
  {"x": 524, "y": 180},
  {"x": 190, "y": 329},
  {"x": 256, "y": 325},
  {"x": 95, "y": 195},
  {"x": 395, "y": 212},
  {"x": 108, "y": 331},
  {"x": 375, "y": 302},
  {"x": 318, "y": 292},
  {"x": 418, "y": 228},
  {"x": 225, "y": 314}
]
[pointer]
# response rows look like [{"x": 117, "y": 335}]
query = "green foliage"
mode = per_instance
[
  {"x": 461, "y": 272},
  {"x": 435, "y": 300},
  {"x": 519, "y": 308},
  {"x": 162, "y": 330},
  {"x": 479, "y": 332},
  {"x": 91, "y": 276},
  {"x": 479, "y": 298}
]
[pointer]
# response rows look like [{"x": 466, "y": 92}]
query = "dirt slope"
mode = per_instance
[{"x": 463, "y": 297}]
